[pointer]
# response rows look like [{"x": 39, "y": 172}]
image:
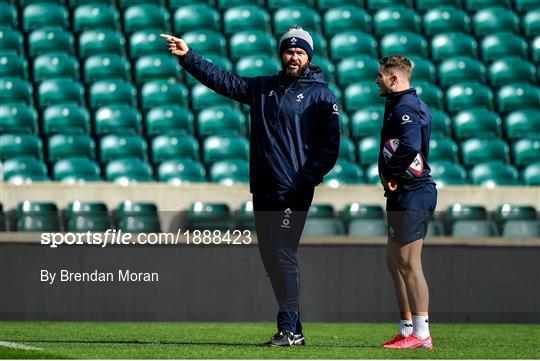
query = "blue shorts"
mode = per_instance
[{"x": 408, "y": 213}]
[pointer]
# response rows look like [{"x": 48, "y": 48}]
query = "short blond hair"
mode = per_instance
[{"x": 397, "y": 62}]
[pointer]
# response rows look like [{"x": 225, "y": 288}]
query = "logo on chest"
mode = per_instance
[{"x": 300, "y": 97}]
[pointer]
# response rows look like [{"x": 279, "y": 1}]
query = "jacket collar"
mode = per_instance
[{"x": 392, "y": 98}]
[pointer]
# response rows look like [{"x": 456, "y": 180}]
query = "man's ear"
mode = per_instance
[{"x": 393, "y": 79}]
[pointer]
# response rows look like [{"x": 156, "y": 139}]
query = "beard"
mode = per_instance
[{"x": 295, "y": 73}]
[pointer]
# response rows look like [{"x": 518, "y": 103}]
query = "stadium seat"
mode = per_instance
[
  {"x": 474, "y": 229},
  {"x": 405, "y": 43},
  {"x": 108, "y": 92},
  {"x": 346, "y": 18},
  {"x": 24, "y": 169},
  {"x": 356, "y": 68},
  {"x": 495, "y": 19},
  {"x": 117, "y": 119},
  {"x": 156, "y": 67},
  {"x": 474, "y": 5},
  {"x": 14, "y": 90},
  {"x": 319, "y": 44},
  {"x": 12, "y": 41},
  {"x": 55, "y": 65},
  {"x": 435, "y": 229},
  {"x": 221, "y": 120},
  {"x": 217, "y": 148},
  {"x": 147, "y": 42},
  {"x": 430, "y": 93},
  {"x": 395, "y": 18},
  {"x": 518, "y": 96},
  {"x": 344, "y": 173},
  {"x": 28, "y": 208},
  {"x": 75, "y": 3},
  {"x": 95, "y": 16},
  {"x": 494, "y": 173},
  {"x": 257, "y": 65},
  {"x": 441, "y": 20},
  {"x": 136, "y": 209},
  {"x": 76, "y": 169},
  {"x": 203, "y": 97},
  {"x": 476, "y": 123},
  {"x": 475, "y": 151},
  {"x": 440, "y": 124},
  {"x": 208, "y": 216},
  {"x": 277, "y": 4},
  {"x": 244, "y": 217},
  {"x": 514, "y": 212},
  {"x": 61, "y": 146},
  {"x": 38, "y": 223},
  {"x": 13, "y": 65},
  {"x": 460, "y": 69},
  {"x": 82, "y": 208},
  {"x": 196, "y": 17},
  {"x": 368, "y": 151},
  {"x": 169, "y": 119},
  {"x": 535, "y": 50},
  {"x": 357, "y": 210},
  {"x": 524, "y": 5},
  {"x": 326, "y": 66},
  {"x": 308, "y": 18},
  {"x": 206, "y": 42},
  {"x": 526, "y": 151},
  {"x": 425, "y": 5},
  {"x": 60, "y": 91},
  {"x": 368, "y": 228},
  {"x": 352, "y": 43},
  {"x": 323, "y": 5},
  {"x": 445, "y": 173},
  {"x": 367, "y": 122},
  {"x": 346, "y": 149},
  {"x": 89, "y": 223},
  {"x": 531, "y": 23},
  {"x": 101, "y": 41},
  {"x": 122, "y": 146},
  {"x": 225, "y": 4},
  {"x": 42, "y": 15},
  {"x": 162, "y": 92},
  {"x": 245, "y": 17},
  {"x": 123, "y": 4},
  {"x": 106, "y": 67},
  {"x": 449, "y": 45},
  {"x": 423, "y": 69},
  {"x": 521, "y": 229},
  {"x": 530, "y": 175},
  {"x": 323, "y": 228},
  {"x": 128, "y": 170},
  {"x": 50, "y": 40},
  {"x": 510, "y": 70},
  {"x": 173, "y": 146},
  {"x": 139, "y": 224},
  {"x": 179, "y": 171},
  {"x": 66, "y": 119},
  {"x": 145, "y": 17},
  {"x": 247, "y": 43},
  {"x": 373, "y": 5},
  {"x": 362, "y": 94},
  {"x": 321, "y": 211},
  {"x": 467, "y": 96},
  {"x": 18, "y": 118},
  {"x": 522, "y": 123},
  {"x": 230, "y": 171},
  {"x": 8, "y": 15},
  {"x": 464, "y": 212},
  {"x": 498, "y": 45},
  {"x": 443, "y": 149},
  {"x": 20, "y": 145}
]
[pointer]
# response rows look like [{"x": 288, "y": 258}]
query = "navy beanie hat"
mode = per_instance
[{"x": 296, "y": 37}]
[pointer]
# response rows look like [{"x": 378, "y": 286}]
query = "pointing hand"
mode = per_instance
[{"x": 176, "y": 46}]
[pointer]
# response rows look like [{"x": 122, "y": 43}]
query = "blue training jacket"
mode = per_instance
[
  {"x": 407, "y": 119},
  {"x": 294, "y": 138}
]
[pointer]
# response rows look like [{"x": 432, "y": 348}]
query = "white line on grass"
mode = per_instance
[{"x": 16, "y": 345}]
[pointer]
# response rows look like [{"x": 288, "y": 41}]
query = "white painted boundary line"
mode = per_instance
[{"x": 19, "y": 346}]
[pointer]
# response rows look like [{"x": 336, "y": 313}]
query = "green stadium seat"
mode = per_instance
[
  {"x": 38, "y": 223},
  {"x": 257, "y": 65},
  {"x": 357, "y": 210},
  {"x": 423, "y": 69},
  {"x": 136, "y": 209},
  {"x": 374, "y": 5},
  {"x": 12, "y": 41},
  {"x": 524, "y": 5},
  {"x": 476, "y": 123},
  {"x": 278, "y": 4},
  {"x": 510, "y": 70},
  {"x": 474, "y": 229},
  {"x": 356, "y": 68},
  {"x": 445, "y": 173},
  {"x": 84, "y": 208},
  {"x": 244, "y": 217},
  {"x": 361, "y": 95},
  {"x": 55, "y": 65},
  {"x": 66, "y": 119},
  {"x": 154, "y": 67},
  {"x": 50, "y": 40},
  {"x": 75, "y": 3},
  {"x": 24, "y": 169},
  {"x": 368, "y": 151},
  {"x": 208, "y": 216},
  {"x": 17, "y": 118},
  {"x": 367, "y": 122},
  {"x": 435, "y": 229},
  {"x": 475, "y": 151},
  {"x": 323, "y": 5},
  {"x": 405, "y": 43},
  {"x": 140, "y": 224},
  {"x": 344, "y": 173},
  {"x": 372, "y": 174},
  {"x": 464, "y": 212},
  {"x": 498, "y": 45},
  {"x": 128, "y": 170},
  {"x": 368, "y": 228},
  {"x": 145, "y": 17},
  {"x": 106, "y": 67},
  {"x": 346, "y": 18},
  {"x": 225, "y": 4},
  {"x": 174, "y": 146},
  {"x": 530, "y": 175},
  {"x": 60, "y": 91},
  {"x": 443, "y": 149},
  {"x": 440, "y": 20},
  {"x": 76, "y": 170},
  {"x": 230, "y": 171},
  {"x": 514, "y": 212},
  {"x": 89, "y": 223},
  {"x": 535, "y": 50},
  {"x": 8, "y": 15},
  {"x": 146, "y": 42},
  {"x": 473, "y": 5},
  {"x": 206, "y": 42},
  {"x": 203, "y": 97},
  {"x": 169, "y": 119},
  {"x": 180, "y": 171},
  {"x": 196, "y": 17},
  {"x": 14, "y": 90},
  {"x": 352, "y": 43},
  {"x": 308, "y": 18},
  {"x": 28, "y": 208},
  {"x": 440, "y": 124},
  {"x": 95, "y": 16},
  {"x": 460, "y": 70},
  {"x": 20, "y": 145},
  {"x": 13, "y": 66},
  {"x": 216, "y": 148},
  {"x": 526, "y": 151},
  {"x": 162, "y": 92},
  {"x": 221, "y": 120},
  {"x": 323, "y": 228},
  {"x": 344, "y": 125},
  {"x": 61, "y": 146},
  {"x": 117, "y": 119},
  {"x": 430, "y": 93},
  {"x": 115, "y": 146},
  {"x": 101, "y": 41},
  {"x": 521, "y": 229},
  {"x": 450, "y": 45},
  {"x": 247, "y": 43},
  {"x": 394, "y": 19},
  {"x": 495, "y": 19},
  {"x": 108, "y": 92},
  {"x": 467, "y": 96},
  {"x": 218, "y": 60},
  {"x": 245, "y": 17},
  {"x": 42, "y": 15},
  {"x": 531, "y": 23},
  {"x": 518, "y": 96},
  {"x": 425, "y": 5},
  {"x": 522, "y": 123},
  {"x": 175, "y": 4},
  {"x": 494, "y": 173},
  {"x": 326, "y": 66},
  {"x": 346, "y": 149},
  {"x": 337, "y": 92},
  {"x": 123, "y": 4}
]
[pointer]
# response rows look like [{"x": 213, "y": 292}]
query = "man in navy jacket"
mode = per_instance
[{"x": 294, "y": 142}]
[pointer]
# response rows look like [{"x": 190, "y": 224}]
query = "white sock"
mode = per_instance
[
  {"x": 420, "y": 327},
  {"x": 405, "y": 328}
]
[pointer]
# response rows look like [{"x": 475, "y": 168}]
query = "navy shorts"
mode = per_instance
[{"x": 408, "y": 213}]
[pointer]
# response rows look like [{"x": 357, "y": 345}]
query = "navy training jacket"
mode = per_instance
[
  {"x": 294, "y": 138},
  {"x": 407, "y": 119}
]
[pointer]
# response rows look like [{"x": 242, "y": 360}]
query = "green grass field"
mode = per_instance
[{"x": 138, "y": 340}]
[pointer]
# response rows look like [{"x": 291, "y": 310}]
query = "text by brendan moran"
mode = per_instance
[{"x": 98, "y": 276}]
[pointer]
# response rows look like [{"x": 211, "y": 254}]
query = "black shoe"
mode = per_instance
[
  {"x": 299, "y": 340},
  {"x": 282, "y": 339}
]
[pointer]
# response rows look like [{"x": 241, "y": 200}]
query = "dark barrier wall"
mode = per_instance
[{"x": 227, "y": 283}]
